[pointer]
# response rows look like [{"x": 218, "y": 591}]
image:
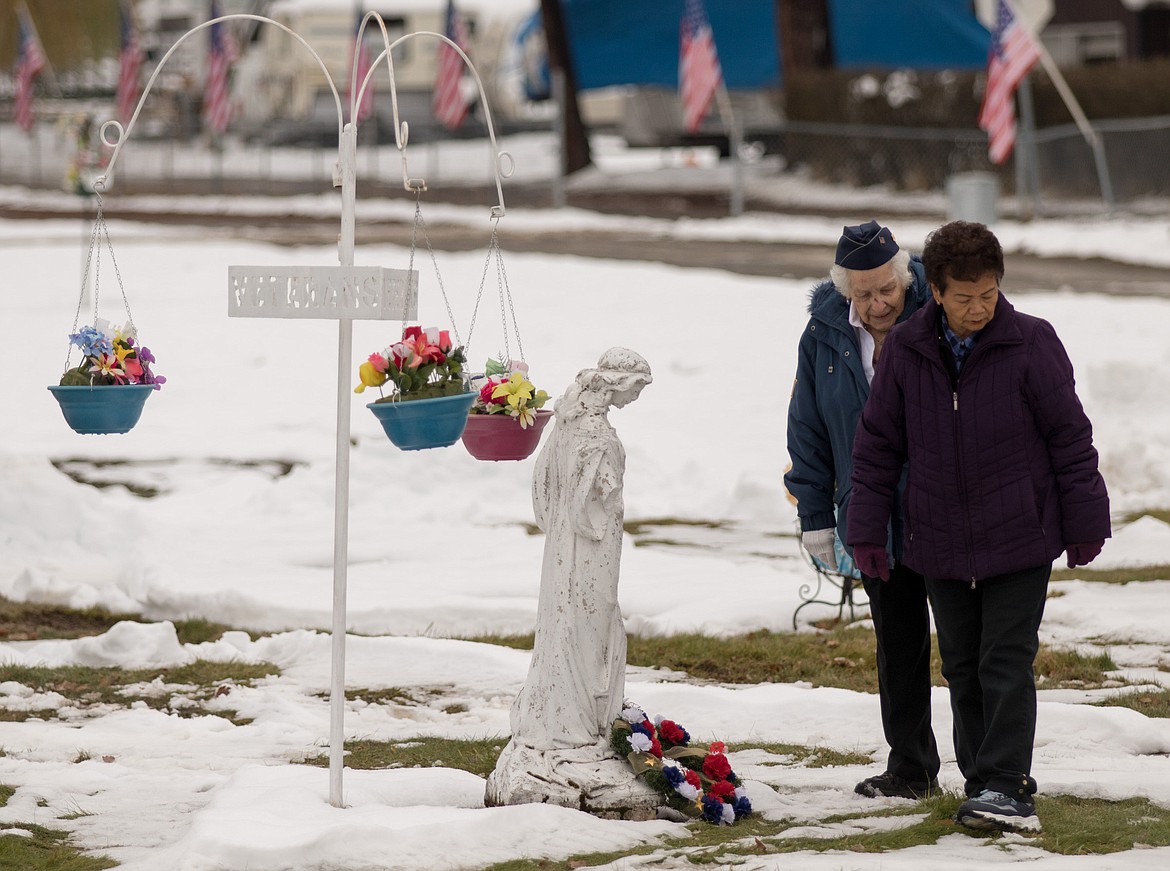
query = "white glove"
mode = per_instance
[{"x": 819, "y": 543}]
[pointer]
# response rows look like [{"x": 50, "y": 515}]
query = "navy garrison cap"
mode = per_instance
[{"x": 866, "y": 246}]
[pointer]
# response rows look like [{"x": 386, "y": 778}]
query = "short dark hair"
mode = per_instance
[{"x": 963, "y": 251}]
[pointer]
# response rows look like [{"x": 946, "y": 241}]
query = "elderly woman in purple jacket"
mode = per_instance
[{"x": 979, "y": 400}]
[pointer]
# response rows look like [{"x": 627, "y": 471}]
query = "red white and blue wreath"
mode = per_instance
[{"x": 695, "y": 781}]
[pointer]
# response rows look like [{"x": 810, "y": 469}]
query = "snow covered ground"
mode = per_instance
[{"x": 438, "y": 548}]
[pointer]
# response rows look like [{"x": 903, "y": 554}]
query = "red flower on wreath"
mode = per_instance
[
  {"x": 655, "y": 747},
  {"x": 716, "y": 766},
  {"x": 693, "y": 779},
  {"x": 671, "y": 732},
  {"x": 723, "y": 790}
]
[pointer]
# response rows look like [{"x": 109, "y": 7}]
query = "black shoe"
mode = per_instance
[
  {"x": 996, "y": 812},
  {"x": 892, "y": 786}
]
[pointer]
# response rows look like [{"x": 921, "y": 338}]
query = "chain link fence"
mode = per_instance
[{"x": 911, "y": 159}]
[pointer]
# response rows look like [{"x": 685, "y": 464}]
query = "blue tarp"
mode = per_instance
[
  {"x": 618, "y": 42},
  {"x": 635, "y": 42},
  {"x": 922, "y": 34}
]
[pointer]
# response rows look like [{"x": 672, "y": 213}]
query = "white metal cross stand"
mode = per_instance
[{"x": 344, "y": 293}]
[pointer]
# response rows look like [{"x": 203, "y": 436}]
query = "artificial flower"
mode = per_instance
[
  {"x": 716, "y": 766},
  {"x": 370, "y": 376},
  {"x": 111, "y": 357},
  {"x": 698, "y": 783},
  {"x": 672, "y": 733},
  {"x": 423, "y": 364},
  {"x": 506, "y": 389}
]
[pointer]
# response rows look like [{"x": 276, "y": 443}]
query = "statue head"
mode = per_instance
[{"x": 617, "y": 380}]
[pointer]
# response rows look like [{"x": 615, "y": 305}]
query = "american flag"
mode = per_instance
[
  {"x": 217, "y": 104},
  {"x": 29, "y": 61},
  {"x": 449, "y": 104},
  {"x": 1013, "y": 52},
  {"x": 360, "y": 57},
  {"x": 130, "y": 62},
  {"x": 699, "y": 75}
]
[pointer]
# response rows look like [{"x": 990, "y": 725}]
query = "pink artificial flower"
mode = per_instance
[
  {"x": 485, "y": 393},
  {"x": 444, "y": 341},
  {"x": 380, "y": 363}
]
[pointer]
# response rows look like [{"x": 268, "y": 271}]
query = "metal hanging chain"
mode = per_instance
[
  {"x": 419, "y": 223},
  {"x": 505, "y": 292},
  {"x": 93, "y": 257}
]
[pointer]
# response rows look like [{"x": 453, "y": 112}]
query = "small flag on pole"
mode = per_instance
[
  {"x": 360, "y": 57},
  {"x": 449, "y": 104},
  {"x": 30, "y": 60},
  {"x": 217, "y": 105},
  {"x": 699, "y": 74},
  {"x": 1013, "y": 52},
  {"x": 130, "y": 62}
]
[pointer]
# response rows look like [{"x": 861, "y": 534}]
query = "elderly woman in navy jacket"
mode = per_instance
[
  {"x": 873, "y": 285},
  {"x": 1002, "y": 477}
]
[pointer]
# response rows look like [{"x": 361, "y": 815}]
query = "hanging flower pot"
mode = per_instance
[
  {"x": 105, "y": 392},
  {"x": 103, "y": 409},
  {"x": 500, "y": 437},
  {"x": 507, "y": 416},
  {"x": 424, "y": 423},
  {"x": 429, "y": 406}
]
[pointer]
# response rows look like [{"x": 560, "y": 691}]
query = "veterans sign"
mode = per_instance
[{"x": 325, "y": 292}]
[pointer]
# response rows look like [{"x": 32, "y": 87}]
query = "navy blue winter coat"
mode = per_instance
[
  {"x": 1002, "y": 472},
  {"x": 827, "y": 397}
]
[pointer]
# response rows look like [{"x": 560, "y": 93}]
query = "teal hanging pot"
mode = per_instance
[
  {"x": 104, "y": 409},
  {"x": 424, "y": 423}
]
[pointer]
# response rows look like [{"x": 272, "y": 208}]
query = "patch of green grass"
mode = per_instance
[
  {"x": 1113, "y": 576},
  {"x": 809, "y": 757},
  {"x": 642, "y": 526},
  {"x": 33, "y": 621},
  {"x": 1078, "y": 826},
  {"x": 1064, "y": 666},
  {"x": 842, "y": 657},
  {"x": 45, "y": 850},
  {"x": 1162, "y": 514},
  {"x": 1152, "y": 703},
  {"x": 385, "y": 696},
  {"x": 86, "y": 686},
  {"x": 6, "y": 792},
  {"x": 1072, "y": 826},
  {"x": 477, "y": 756}
]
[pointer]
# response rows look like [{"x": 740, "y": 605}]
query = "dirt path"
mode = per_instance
[{"x": 782, "y": 260}]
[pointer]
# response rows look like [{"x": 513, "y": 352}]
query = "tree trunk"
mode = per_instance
[
  {"x": 575, "y": 154},
  {"x": 804, "y": 38}
]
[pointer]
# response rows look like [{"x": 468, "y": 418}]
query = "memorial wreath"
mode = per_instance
[{"x": 696, "y": 781}]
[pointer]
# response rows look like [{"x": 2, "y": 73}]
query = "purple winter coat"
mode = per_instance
[{"x": 1002, "y": 469}]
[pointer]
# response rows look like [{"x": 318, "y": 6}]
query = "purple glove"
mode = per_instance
[
  {"x": 1083, "y": 554},
  {"x": 872, "y": 560}
]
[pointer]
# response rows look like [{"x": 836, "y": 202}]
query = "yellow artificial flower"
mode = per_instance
[
  {"x": 370, "y": 376},
  {"x": 517, "y": 388}
]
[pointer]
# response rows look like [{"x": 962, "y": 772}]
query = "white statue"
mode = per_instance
[{"x": 559, "y": 751}]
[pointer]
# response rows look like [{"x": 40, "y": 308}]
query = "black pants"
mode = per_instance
[
  {"x": 988, "y": 638},
  {"x": 901, "y": 623}
]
